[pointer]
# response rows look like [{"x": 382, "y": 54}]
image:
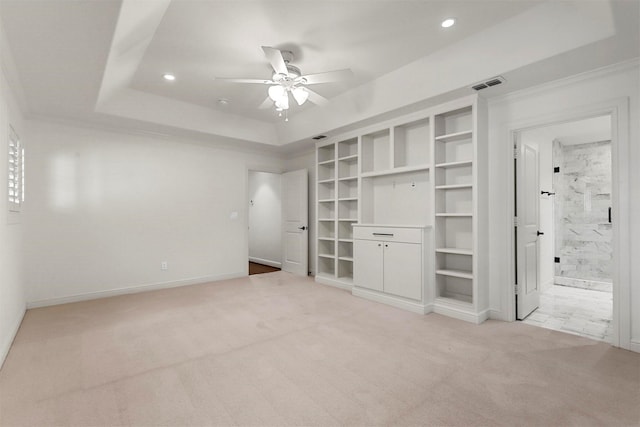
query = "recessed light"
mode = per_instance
[
  {"x": 223, "y": 101},
  {"x": 448, "y": 22},
  {"x": 169, "y": 77}
]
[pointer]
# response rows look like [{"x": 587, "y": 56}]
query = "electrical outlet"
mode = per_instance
[{"x": 164, "y": 265}]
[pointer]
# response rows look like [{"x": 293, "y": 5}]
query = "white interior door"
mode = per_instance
[
  {"x": 528, "y": 212},
  {"x": 295, "y": 230}
]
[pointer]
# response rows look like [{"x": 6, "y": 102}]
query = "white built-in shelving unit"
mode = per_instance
[
  {"x": 419, "y": 175},
  {"x": 337, "y": 209}
]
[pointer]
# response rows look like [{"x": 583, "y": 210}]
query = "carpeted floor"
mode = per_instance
[
  {"x": 274, "y": 349},
  {"x": 255, "y": 268}
]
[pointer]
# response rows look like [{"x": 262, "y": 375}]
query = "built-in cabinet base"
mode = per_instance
[
  {"x": 332, "y": 281},
  {"x": 402, "y": 303},
  {"x": 459, "y": 310}
]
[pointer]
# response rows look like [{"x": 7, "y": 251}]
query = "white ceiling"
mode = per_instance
[
  {"x": 102, "y": 60},
  {"x": 200, "y": 40}
]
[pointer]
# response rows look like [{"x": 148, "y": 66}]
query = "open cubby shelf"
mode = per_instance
[{"x": 337, "y": 165}]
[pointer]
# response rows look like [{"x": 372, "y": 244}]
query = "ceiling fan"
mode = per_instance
[{"x": 288, "y": 79}]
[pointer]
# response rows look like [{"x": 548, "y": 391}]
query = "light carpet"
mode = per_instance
[{"x": 274, "y": 349}]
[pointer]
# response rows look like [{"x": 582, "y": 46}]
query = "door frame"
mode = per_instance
[
  {"x": 618, "y": 110},
  {"x": 252, "y": 168}
]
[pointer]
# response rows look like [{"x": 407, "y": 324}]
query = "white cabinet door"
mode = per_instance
[
  {"x": 403, "y": 269},
  {"x": 367, "y": 266}
]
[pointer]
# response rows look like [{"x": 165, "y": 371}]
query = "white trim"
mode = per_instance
[
  {"x": 6, "y": 346},
  {"x": 392, "y": 301},
  {"x": 461, "y": 314},
  {"x": 268, "y": 262},
  {"x": 497, "y": 315},
  {"x": 132, "y": 290},
  {"x": 618, "y": 109},
  {"x": 333, "y": 282},
  {"x": 634, "y": 346}
]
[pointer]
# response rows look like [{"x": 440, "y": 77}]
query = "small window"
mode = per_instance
[{"x": 15, "y": 172}]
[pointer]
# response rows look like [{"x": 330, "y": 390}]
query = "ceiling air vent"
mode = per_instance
[
  {"x": 319, "y": 137},
  {"x": 494, "y": 81}
]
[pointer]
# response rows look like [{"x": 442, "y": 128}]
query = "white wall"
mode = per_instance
[
  {"x": 12, "y": 295},
  {"x": 584, "y": 94},
  {"x": 107, "y": 208},
  {"x": 307, "y": 160},
  {"x": 265, "y": 216},
  {"x": 545, "y": 173}
]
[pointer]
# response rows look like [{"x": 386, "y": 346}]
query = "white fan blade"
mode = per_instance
[
  {"x": 329, "y": 76},
  {"x": 275, "y": 59},
  {"x": 268, "y": 103},
  {"x": 258, "y": 81},
  {"x": 317, "y": 98}
]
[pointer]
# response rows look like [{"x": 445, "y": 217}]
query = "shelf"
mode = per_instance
[
  {"x": 326, "y": 201},
  {"x": 454, "y": 214},
  {"x": 456, "y": 273},
  {"x": 457, "y": 299},
  {"x": 345, "y": 240},
  {"x": 346, "y": 279},
  {"x": 328, "y": 239},
  {"x": 326, "y": 181},
  {"x": 351, "y": 158},
  {"x": 326, "y": 256},
  {"x": 348, "y": 219},
  {"x": 455, "y": 251},
  {"x": 326, "y": 162},
  {"x": 326, "y": 219},
  {"x": 453, "y": 187},
  {"x": 348, "y": 199},
  {"x": 455, "y": 164},
  {"x": 346, "y": 258},
  {"x": 348, "y": 178},
  {"x": 454, "y": 136},
  {"x": 394, "y": 171}
]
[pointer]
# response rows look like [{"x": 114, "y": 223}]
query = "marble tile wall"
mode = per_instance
[{"x": 582, "y": 200}]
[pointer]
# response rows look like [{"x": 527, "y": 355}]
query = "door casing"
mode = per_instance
[{"x": 618, "y": 110}]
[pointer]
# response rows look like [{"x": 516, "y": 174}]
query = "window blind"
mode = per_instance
[{"x": 15, "y": 172}]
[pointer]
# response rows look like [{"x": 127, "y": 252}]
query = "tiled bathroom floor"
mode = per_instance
[{"x": 575, "y": 311}]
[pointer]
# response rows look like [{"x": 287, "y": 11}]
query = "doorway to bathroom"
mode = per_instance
[{"x": 564, "y": 229}]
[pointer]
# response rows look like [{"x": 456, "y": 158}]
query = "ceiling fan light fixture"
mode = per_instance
[
  {"x": 169, "y": 77},
  {"x": 283, "y": 102},
  {"x": 300, "y": 94},
  {"x": 276, "y": 92}
]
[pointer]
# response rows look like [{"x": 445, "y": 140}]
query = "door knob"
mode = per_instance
[
  {"x": 302, "y": 228},
  {"x": 539, "y": 233}
]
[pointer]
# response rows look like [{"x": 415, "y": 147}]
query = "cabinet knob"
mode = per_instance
[
  {"x": 386, "y": 246},
  {"x": 379, "y": 244}
]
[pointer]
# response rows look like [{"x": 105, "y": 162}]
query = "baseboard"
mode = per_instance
[
  {"x": 461, "y": 313},
  {"x": 132, "y": 290},
  {"x": 6, "y": 346},
  {"x": 414, "y": 307},
  {"x": 634, "y": 346},
  {"x": 333, "y": 282},
  {"x": 268, "y": 262},
  {"x": 497, "y": 315}
]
